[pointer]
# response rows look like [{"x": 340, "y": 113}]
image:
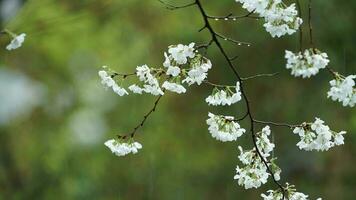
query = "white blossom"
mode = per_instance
[
  {"x": 150, "y": 82},
  {"x": 224, "y": 97},
  {"x": 135, "y": 89},
  {"x": 198, "y": 72},
  {"x": 263, "y": 143},
  {"x": 342, "y": 90},
  {"x": 16, "y": 42},
  {"x": 171, "y": 69},
  {"x": 279, "y": 18},
  {"x": 224, "y": 128},
  {"x": 122, "y": 149},
  {"x": 109, "y": 82},
  {"x": 258, "y": 6},
  {"x": 307, "y": 64},
  {"x": 254, "y": 172},
  {"x": 180, "y": 53},
  {"x": 174, "y": 87},
  {"x": 290, "y": 194},
  {"x": 281, "y": 21},
  {"x": 318, "y": 136}
]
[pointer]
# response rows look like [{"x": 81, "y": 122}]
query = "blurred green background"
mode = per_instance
[{"x": 55, "y": 115}]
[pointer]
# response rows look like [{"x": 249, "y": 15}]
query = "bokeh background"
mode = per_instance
[{"x": 55, "y": 115}]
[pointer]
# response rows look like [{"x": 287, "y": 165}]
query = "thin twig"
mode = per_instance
[
  {"x": 232, "y": 40},
  {"x": 259, "y": 75},
  {"x": 133, "y": 132},
  {"x": 217, "y": 85},
  {"x": 232, "y": 17},
  {"x": 233, "y": 58},
  {"x": 204, "y": 46},
  {"x": 173, "y": 7},
  {"x": 275, "y": 123}
]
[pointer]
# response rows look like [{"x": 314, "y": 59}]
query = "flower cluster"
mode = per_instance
[
  {"x": 16, "y": 41},
  {"x": 290, "y": 191},
  {"x": 306, "y": 64},
  {"x": 225, "y": 96},
  {"x": 198, "y": 71},
  {"x": 224, "y": 128},
  {"x": 182, "y": 65},
  {"x": 279, "y": 18},
  {"x": 174, "y": 87},
  {"x": 180, "y": 55},
  {"x": 342, "y": 90},
  {"x": 149, "y": 81},
  {"x": 317, "y": 136},
  {"x": 122, "y": 148},
  {"x": 254, "y": 172},
  {"x": 109, "y": 82}
]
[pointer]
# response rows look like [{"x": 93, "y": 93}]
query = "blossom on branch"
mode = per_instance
[
  {"x": 148, "y": 77},
  {"x": 306, "y": 64},
  {"x": 109, "y": 82},
  {"x": 224, "y": 128},
  {"x": 198, "y": 71},
  {"x": 254, "y": 172},
  {"x": 174, "y": 87},
  {"x": 317, "y": 136},
  {"x": 225, "y": 96},
  {"x": 16, "y": 41},
  {"x": 279, "y": 18},
  {"x": 122, "y": 148},
  {"x": 343, "y": 90},
  {"x": 290, "y": 194}
]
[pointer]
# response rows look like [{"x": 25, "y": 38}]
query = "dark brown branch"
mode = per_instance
[
  {"x": 310, "y": 24},
  {"x": 133, "y": 132},
  {"x": 242, "y": 118},
  {"x": 232, "y": 17},
  {"x": 300, "y": 27},
  {"x": 232, "y": 67},
  {"x": 204, "y": 46},
  {"x": 123, "y": 75}
]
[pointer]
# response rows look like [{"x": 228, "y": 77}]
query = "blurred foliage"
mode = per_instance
[{"x": 56, "y": 150}]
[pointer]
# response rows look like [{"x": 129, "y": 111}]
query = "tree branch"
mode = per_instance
[
  {"x": 259, "y": 75},
  {"x": 133, "y": 132},
  {"x": 232, "y": 17},
  {"x": 231, "y": 40},
  {"x": 300, "y": 27},
  {"x": 275, "y": 124},
  {"x": 214, "y": 36},
  {"x": 173, "y": 7},
  {"x": 310, "y": 24}
]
